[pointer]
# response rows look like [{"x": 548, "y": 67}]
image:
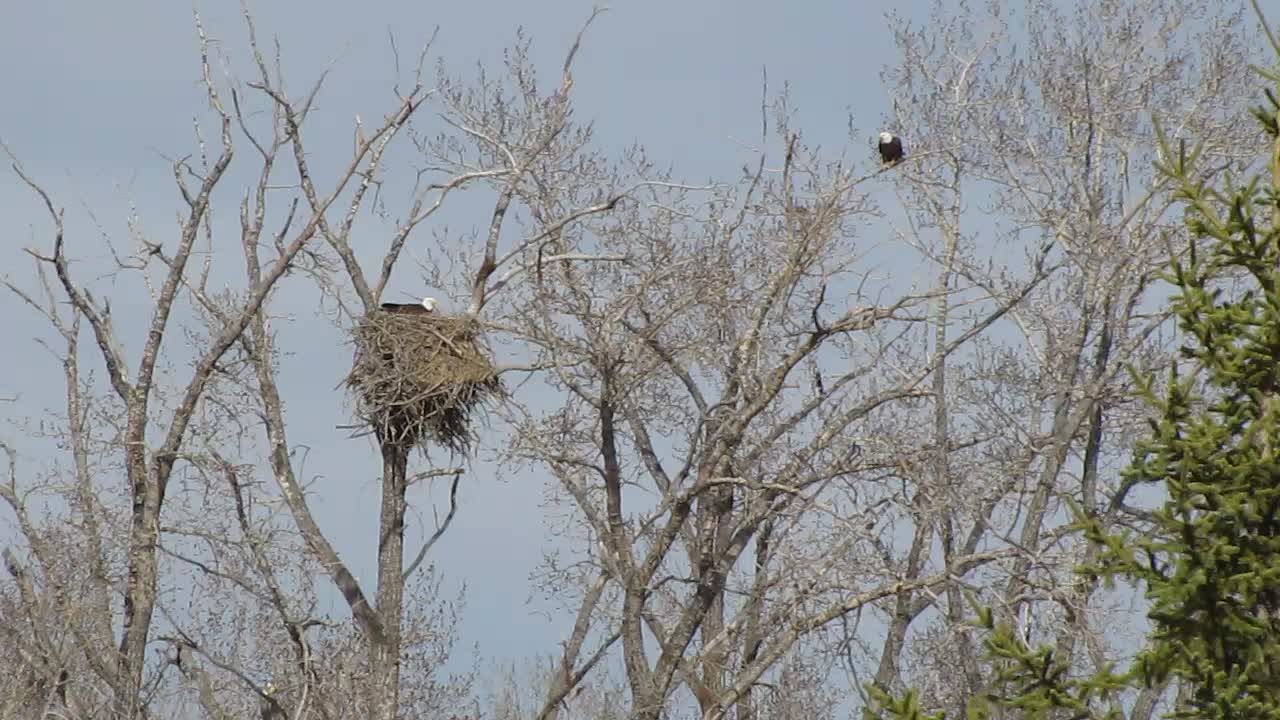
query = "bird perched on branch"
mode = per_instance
[
  {"x": 427, "y": 305},
  {"x": 891, "y": 148}
]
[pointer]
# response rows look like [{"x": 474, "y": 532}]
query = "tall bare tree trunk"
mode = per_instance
[
  {"x": 139, "y": 599},
  {"x": 714, "y": 511},
  {"x": 385, "y": 654}
]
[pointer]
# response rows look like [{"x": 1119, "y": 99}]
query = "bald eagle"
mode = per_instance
[
  {"x": 890, "y": 148},
  {"x": 427, "y": 305}
]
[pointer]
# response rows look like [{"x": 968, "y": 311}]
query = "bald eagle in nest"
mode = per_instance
[
  {"x": 427, "y": 305},
  {"x": 891, "y": 151}
]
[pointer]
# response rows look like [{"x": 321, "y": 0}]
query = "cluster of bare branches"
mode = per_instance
[
  {"x": 781, "y": 468},
  {"x": 191, "y": 538},
  {"x": 762, "y": 442},
  {"x": 723, "y": 440},
  {"x": 1047, "y": 123}
]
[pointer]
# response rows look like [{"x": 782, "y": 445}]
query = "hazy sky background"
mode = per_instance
[{"x": 92, "y": 93}]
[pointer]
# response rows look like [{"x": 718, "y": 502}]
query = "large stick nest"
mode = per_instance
[{"x": 419, "y": 378}]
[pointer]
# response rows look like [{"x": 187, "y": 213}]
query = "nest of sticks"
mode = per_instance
[{"x": 419, "y": 378}]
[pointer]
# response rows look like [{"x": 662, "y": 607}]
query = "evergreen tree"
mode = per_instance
[
  {"x": 1209, "y": 561},
  {"x": 1211, "y": 564}
]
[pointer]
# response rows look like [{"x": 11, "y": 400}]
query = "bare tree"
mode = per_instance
[
  {"x": 206, "y": 581},
  {"x": 1031, "y": 129},
  {"x": 719, "y": 387},
  {"x": 524, "y": 147},
  {"x": 755, "y": 446}
]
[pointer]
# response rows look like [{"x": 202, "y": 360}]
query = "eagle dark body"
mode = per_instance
[
  {"x": 405, "y": 308},
  {"x": 891, "y": 148},
  {"x": 425, "y": 307}
]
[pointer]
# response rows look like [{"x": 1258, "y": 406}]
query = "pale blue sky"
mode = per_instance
[{"x": 91, "y": 91}]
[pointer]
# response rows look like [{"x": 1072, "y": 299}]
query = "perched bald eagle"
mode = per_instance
[
  {"x": 428, "y": 305},
  {"x": 890, "y": 148}
]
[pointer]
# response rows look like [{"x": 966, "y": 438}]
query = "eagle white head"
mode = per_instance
[
  {"x": 429, "y": 303},
  {"x": 886, "y": 137}
]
